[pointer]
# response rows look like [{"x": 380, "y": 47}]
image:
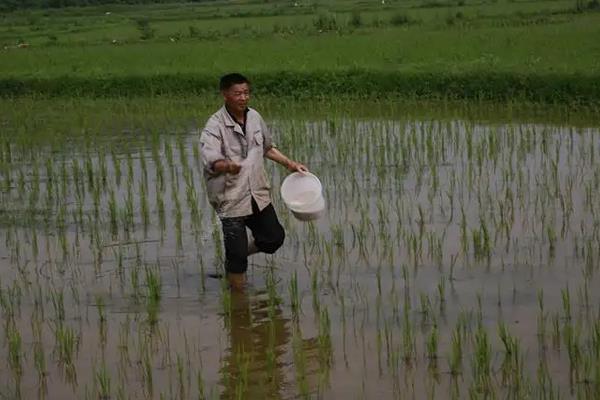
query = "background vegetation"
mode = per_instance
[{"x": 535, "y": 50}]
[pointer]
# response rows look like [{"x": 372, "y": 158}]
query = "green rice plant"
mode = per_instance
[
  {"x": 325, "y": 346},
  {"x": 153, "y": 293},
  {"x": 168, "y": 151},
  {"x": 481, "y": 242},
  {"x": 425, "y": 307},
  {"x": 571, "y": 338},
  {"x": 134, "y": 278},
  {"x": 39, "y": 359},
  {"x": 101, "y": 309},
  {"x": 113, "y": 213},
  {"x": 241, "y": 381},
  {"x": 556, "y": 334},
  {"x": 441, "y": 288},
  {"x": 294, "y": 296},
  {"x": 316, "y": 302},
  {"x": 551, "y": 240},
  {"x": 103, "y": 382},
  {"x": 584, "y": 296},
  {"x": 408, "y": 337},
  {"x": 192, "y": 200},
  {"x": 595, "y": 338},
  {"x": 178, "y": 221},
  {"x": 65, "y": 349},
  {"x": 566, "y": 302},
  {"x": 431, "y": 344},
  {"x": 226, "y": 300},
  {"x": 89, "y": 171},
  {"x": 103, "y": 168},
  {"x": 116, "y": 164},
  {"x": 123, "y": 344},
  {"x": 15, "y": 352},
  {"x": 201, "y": 385},
  {"x": 147, "y": 373},
  {"x": 144, "y": 170},
  {"x": 513, "y": 373},
  {"x": 158, "y": 168},
  {"x": 57, "y": 297},
  {"x": 481, "y": 363},
  {"x": 160, "y": 205},
  {"x": 456, "y": 351},
  {"x": 130, "y": 168}
]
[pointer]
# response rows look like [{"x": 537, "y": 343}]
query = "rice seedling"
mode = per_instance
[
  {"x": 65, "y": 349},
  {"x": 153, "y": 293},
  {"x": 103, "y": 381},
  {"x": 432, "y": 345},
  {"x": 15, "y": 351},
  {"x": 294, "y": 296}
]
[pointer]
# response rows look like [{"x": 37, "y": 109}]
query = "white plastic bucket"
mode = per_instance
[
  {"x": 302, "y": 193},
  {"x": 310, "y": 213}
]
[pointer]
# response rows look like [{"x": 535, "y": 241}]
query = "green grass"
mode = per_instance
[{"x": 497, "y": 50}]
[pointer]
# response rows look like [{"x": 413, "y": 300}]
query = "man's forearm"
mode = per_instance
[{"x": 278, "y": 157}]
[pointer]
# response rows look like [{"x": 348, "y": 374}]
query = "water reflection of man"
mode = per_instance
[
  {"x": 233, "y": 144},
  {"x": 258, "y": 334}
]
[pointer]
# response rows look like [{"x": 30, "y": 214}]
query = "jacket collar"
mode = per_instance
[{"x": 229, "y": 120}]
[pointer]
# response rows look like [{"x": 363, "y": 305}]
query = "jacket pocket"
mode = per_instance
[{"x": 258, "y": 138}]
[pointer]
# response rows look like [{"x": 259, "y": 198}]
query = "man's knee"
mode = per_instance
[{"x": 271, "y": 244}]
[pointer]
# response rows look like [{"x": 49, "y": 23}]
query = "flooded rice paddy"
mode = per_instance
[{"x": 458, "y": 258}]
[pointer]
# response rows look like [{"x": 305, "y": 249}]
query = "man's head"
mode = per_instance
[{"x": 235, "y": 89}]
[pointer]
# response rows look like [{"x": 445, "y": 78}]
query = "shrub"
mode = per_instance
[
  {"x": 143, "y": 26},
  {"x": 193, "y": 31},
  {"x": 400, "y": 19},
  {"x": 326, "y": 22},
  {"x": 453, "y": 19},
  {"x": 593, "y": 5},
  {"x": 377, "y": 22},
  {"x": 356, "y": 20}
]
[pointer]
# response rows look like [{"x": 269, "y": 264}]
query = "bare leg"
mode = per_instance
[{"x": 237, "y": 282}]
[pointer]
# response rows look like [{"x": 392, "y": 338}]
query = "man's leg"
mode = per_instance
[
  {"x": 236, "y": 250},
  {"x": 266, "y": 229}
]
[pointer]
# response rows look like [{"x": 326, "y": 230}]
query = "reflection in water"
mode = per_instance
[
  {"x": 258, "y": 334},
  {"x": 255, "y": 364}
]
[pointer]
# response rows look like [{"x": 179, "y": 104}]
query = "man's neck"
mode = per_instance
[{"x": 239, "y": 117}]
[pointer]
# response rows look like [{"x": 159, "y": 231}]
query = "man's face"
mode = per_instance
[{"x": 237, "y": 97}]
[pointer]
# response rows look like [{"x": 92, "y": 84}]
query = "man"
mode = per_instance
[{"x": 233, "y": 144}]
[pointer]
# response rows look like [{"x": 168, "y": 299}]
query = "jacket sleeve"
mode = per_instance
[
  {"x": 211, "y": 148},
  {"x": 268, "y": 138}
]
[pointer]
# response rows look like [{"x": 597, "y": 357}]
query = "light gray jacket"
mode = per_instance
[{"x": 223, "y": 139}]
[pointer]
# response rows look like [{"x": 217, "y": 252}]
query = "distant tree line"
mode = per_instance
[{"x": 10, "y": 5}]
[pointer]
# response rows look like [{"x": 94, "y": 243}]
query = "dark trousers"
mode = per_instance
[{"x": 266, "y": 229}]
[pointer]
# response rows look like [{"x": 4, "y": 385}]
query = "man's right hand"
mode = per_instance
[
  {"x": 233, "y": 168},
  {"x": 226, "y": 166}
]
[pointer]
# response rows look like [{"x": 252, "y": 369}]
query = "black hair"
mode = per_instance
[{"x": 229, "y": 80}]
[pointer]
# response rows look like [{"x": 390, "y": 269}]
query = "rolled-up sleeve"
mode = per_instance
[
  {"x": 268, "y": 138},
  {"x": 210, "y": 149}
]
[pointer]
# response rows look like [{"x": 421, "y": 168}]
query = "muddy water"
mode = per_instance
[{"x": 433, "y": 226}]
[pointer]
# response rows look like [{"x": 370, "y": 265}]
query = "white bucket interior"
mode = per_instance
[{"x": 301, "y": 191}]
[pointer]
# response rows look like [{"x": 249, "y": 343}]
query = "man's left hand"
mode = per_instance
[{"x": 294, "y": 166}]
